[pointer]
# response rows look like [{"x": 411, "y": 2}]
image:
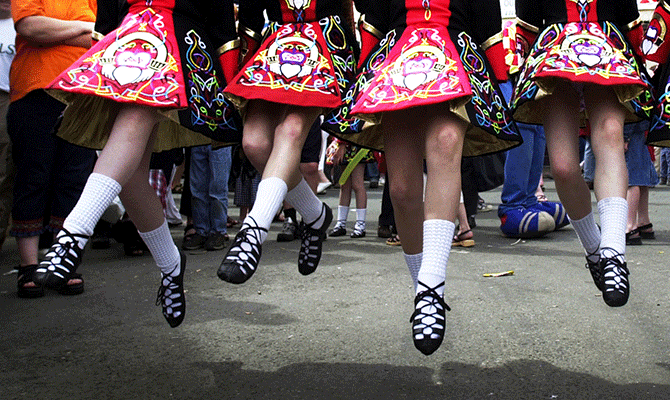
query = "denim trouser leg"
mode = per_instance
[
  {"x": 220, "y": 162},
  {"x": 209, "y": 174},
  {"x": 537, "y": 162},
  {"x": 523, "y": 168},
  {"x": 589, "y": 162},
  {"x": 523, "y": 164},
  {"x": 665, "y": 162}
]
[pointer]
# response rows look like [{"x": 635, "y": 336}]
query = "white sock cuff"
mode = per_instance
[
  {"x": 413, "y": 262},
  {"x": 613, "y": 220},
  {"x": 437, "y": 237},
  {"x": 105, "y": 181},
  {"x": 361, "y": 213},
  {"x": 269, "y": 198},
  {"x": 98, "y": 193},
  {"x": 587, "y": 232},
  {"x": 162, "y": 247},
  {"x": 342, "y": 213}
]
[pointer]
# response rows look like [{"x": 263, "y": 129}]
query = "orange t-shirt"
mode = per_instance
[{"x": 35, "y": 67}]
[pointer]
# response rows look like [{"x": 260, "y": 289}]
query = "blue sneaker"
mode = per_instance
[
  {"x": 556, "y": 210},
  {"x": 526, "y": 223}
]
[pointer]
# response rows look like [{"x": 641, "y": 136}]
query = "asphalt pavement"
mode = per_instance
[{"x": 344, "y": 332}]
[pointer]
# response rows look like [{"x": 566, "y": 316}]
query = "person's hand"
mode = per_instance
[{"x": 339, "y": 154}]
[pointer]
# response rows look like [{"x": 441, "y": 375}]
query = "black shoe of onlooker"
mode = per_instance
[
  {"x": 289, "y": 232},
  {"x": 384, "y": 231},
  {"x": 216, "y": 241},
  {"x": 194, "y": 241}
]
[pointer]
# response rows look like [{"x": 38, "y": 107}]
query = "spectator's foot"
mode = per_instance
[
  {"x": 647, "y": 231},
  {"x": 289, "y": 231},
  {"x": 61, "y": 261},
  {"x": 171, "y": 296},
  {"x": 216, "y": 241},
  {"x": 338, "y": 230},
  {"x": 394, "y": 240},
  {"x": 322, "y": 187},
  {"x": 25, "y": 287},
  {"x": 384, "y": 231},
  {"x": 633, "y": 238},
  {"x": 464, "y": 239},
  {"x": 194, "y": 241},
  {"x": 526, "y": 223},
  {"x": 482, "y": 206},
  {"x": 374, "y": 184},
  {"x": 556, "y": 210},
  {"x": 230, "y": 223},
  {"x": 359, "y": 231}
]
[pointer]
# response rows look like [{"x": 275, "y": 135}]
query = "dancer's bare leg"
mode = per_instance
[
  {"x": 404, "y": 149},
  {"x": 561, "y": 128},
  {"x": 127, "y": 143}
]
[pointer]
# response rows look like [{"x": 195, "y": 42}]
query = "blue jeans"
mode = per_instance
[
  {"x": 589, "y": 162},
  {"x": 665, "y": 162},
  {"x": 209, "y": 172},
  {"x": 523, "y": 165}
]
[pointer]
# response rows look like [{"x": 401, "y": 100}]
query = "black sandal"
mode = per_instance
[
  {"x": 243, "y": 256},
  {"x": 633, "y": 238},
  {"x": 646, "y": 235},
  {"x": 25, "y": 277},
  {"x": 429, "y": 321},
  {"x": 61, "y": 261},
  {"x": 311, "y": 244},
  {"x": 72, "y": 289}
]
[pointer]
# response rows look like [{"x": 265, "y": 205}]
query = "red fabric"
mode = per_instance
[
  {"x": 368, "y": 43},
  {"x": 290, "y": 14},
  {"x": 657, "y": 47},
  {"x": 573, "y": 11},
  {"x": 634, "y": 37},
  {"x": 126, "y": 83},
  {"x": 525, "y": 39},
  {"x": 496, "y": 56},
  {"x": 229, "y": 64}
]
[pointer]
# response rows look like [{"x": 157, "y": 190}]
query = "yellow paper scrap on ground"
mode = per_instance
[{"x": 497, "y": 274}]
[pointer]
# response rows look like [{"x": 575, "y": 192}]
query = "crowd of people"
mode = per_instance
[{"x": 239, "y": 94}]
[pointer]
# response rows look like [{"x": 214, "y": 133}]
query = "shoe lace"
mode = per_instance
[
  {"x": 431, "y": 298},
  {"x": 65, "y": 246},
  {"x": 247, "y": 232},
  {"x": 616, "y": 265},
  {"x": 167, "y": 282}
]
